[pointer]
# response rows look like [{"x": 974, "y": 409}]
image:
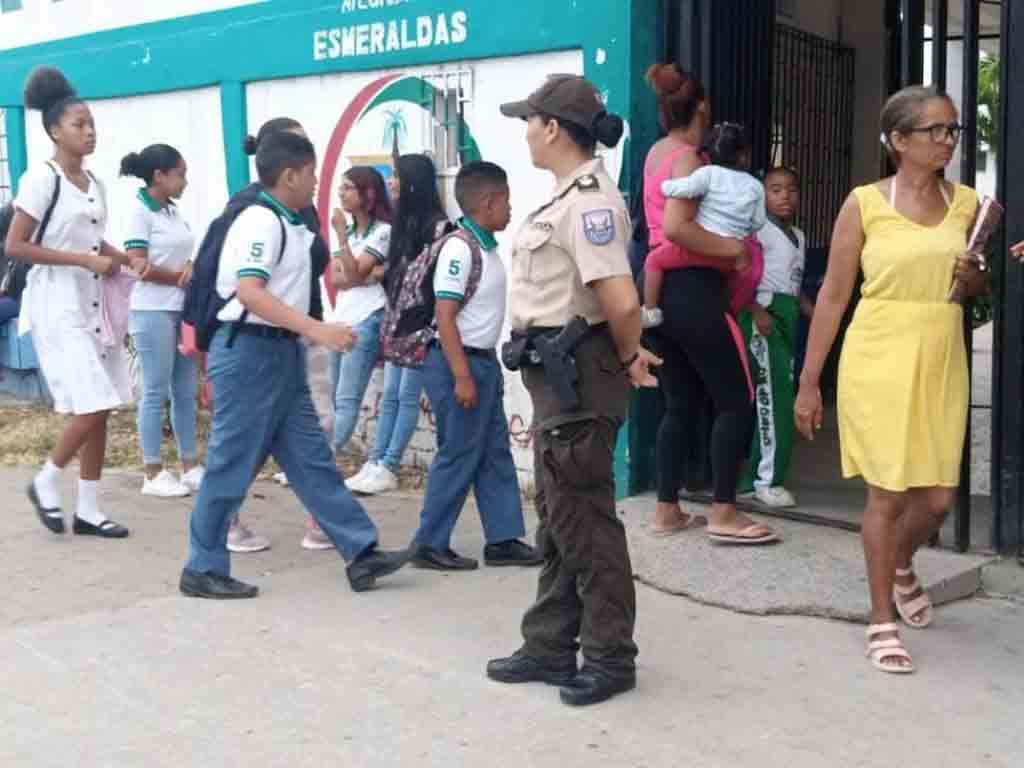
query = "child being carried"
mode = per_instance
[{"x": 732, "y": 205}]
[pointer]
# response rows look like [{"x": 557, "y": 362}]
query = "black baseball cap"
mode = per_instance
[{"x": 569, "y": 97}]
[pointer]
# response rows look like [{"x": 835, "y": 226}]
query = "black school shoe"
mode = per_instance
[
  {"x": 108, "y": 529},
  {"x": 213, "y": 586},
  {"x": 372, "y": 564},
  {"x": 512, "y": 552},
  {"x": 436, "y": 560},
  {"x": 53, "y": 518},
  {"x": 592, "y": 686}
]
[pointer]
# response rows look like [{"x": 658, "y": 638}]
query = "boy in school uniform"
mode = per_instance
[
  {"x": 258, "y": 368},
  {"x": 465, "y": 383},
  {"x": 770, "y": 329}
]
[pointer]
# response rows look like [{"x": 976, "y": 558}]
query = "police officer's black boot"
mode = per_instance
[
  {"x": 591, "y": 686},
  {"x": 521, "y": 668}
]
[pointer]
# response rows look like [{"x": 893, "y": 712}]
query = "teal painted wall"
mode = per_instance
[
  {"x": 233, "y": 126},
  {"x": 17, "y": 145}
]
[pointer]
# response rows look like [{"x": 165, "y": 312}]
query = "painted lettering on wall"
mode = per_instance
[
  {"x": 348, "y": 6},
  {"x": 390, "y": 36}
]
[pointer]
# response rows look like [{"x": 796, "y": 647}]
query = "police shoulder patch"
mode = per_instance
[
  {"x": 599, "y": 226},
  {"x": 588, "y": 182}
]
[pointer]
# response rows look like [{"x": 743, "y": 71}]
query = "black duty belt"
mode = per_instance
[
  {"x": 473, "y": 351},
  {"x": 263, "y": 331}
]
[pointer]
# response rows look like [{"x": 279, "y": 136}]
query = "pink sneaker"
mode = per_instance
[{"x": 315, "y": 538}]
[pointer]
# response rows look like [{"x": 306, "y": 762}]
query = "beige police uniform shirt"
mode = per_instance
[{"x": 565, "y": 246}]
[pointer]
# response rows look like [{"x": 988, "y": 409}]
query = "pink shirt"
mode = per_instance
[{"x": 654, "y": 208}]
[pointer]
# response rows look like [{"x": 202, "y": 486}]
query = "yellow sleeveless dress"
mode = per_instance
[{"x": 903, "y": 385}]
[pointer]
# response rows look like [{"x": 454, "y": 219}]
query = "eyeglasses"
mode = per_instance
[{"x": 940, "y": 132}]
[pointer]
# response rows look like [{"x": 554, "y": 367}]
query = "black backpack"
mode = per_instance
[
  {"x": 13, "y": 272},
  {"x": 202, "y": 302}
]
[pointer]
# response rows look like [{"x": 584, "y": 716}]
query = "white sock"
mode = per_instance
[
  {"x": 89, "y": 502},
  {"x": 47, "y": 484}
]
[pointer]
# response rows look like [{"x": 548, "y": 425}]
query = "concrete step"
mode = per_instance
[{"x": 814, "y": 571}]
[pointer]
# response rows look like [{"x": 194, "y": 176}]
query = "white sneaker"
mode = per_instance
[
  {"x": 165, "y": 485},
  {"x": 360, "y": 478},
  {"x": 650, "y": 317},
  {"x": 315, "y": 538},
  {"x": 194, "y": 477},
  {"x": 777, "y": 497},
  {"x": 281, "y": 479},
  {"x": 381, "y": 480}
]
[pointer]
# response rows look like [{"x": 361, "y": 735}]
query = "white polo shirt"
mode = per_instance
[
  {"x": 356, "y": 304},
  {"x": 481, "y": 319},
  {"x": 252, "y": 249},
  {"x": 783, "y": 262},
  {"x": 168, "y": 242}
]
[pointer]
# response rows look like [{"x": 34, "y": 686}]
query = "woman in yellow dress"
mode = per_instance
[{"x": 903, "y": 384}]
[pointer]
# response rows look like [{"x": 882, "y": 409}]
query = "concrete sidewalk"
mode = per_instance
[{"x": 103, "y": 664}]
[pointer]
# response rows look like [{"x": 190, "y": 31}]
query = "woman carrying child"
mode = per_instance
[{"x": 703, "y": 348}]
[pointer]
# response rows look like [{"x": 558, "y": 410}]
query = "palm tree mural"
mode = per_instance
[{"x": 395, "y": 130}]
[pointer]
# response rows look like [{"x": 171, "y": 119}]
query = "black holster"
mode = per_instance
[{"x": 553, "y": 349}]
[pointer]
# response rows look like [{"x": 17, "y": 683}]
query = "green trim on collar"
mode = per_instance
[
  {"x": 485, "y": 238},
  {"x": 283, "y": 210},
  {"x": 148, "y": 201},
  {"x": 351, "y": 230}
]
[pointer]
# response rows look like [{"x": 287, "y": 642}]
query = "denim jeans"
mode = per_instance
[
  {"x": 263, "y": 406},
  {"x": 350, "y": 375},
  {"x": 165, "y": 373},
  {"x": 399, "y": 414},
  {"x": 473, "y": 451}
]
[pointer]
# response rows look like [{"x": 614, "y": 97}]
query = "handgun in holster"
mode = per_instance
[{"x": 556, "y": 355}]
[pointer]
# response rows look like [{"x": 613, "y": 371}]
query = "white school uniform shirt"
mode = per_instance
[
  {"x": 480, "y": 319},
  {"x": 356, "y": 304},
  {"x": 783, "y": 262},
  {"x": 168, "y": 241},
  {"x": 252, "y": 248},
  {"x": 732, "y": 202},
  {"x": 62, "y": 304}
]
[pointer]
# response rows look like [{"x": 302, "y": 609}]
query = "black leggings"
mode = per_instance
[{"x": 703, "y": 353}]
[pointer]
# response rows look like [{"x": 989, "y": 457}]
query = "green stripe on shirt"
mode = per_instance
[
  {"x": 253, "y": 272},
  {"x": 449, "y": 295},
  {"x": 136, "y": 244}
]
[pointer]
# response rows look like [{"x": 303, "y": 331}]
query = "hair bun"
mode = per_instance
[
  {"x": 608, "y": 129},
  {"x": 665, "y": 79},
  {"x": 250, "y": 145},
  {"x": 45, "y": 87},
  {"x": 131, "y": 165}
]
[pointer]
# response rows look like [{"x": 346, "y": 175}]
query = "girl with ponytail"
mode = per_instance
[
  {"x": 157, "y": 233},
  {"x": 61, "y": 215}
]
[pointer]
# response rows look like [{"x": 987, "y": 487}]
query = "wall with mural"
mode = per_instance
[{"x": 389, "y": 107}]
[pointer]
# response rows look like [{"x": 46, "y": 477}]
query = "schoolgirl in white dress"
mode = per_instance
[{"x": 62, "y": 306}]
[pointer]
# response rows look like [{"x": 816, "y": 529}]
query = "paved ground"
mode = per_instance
[{"x": 103, "y": 664}]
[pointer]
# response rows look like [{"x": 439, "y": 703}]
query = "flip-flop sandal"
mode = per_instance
[
  {"x": 738, "y": 538},
  {"x": 891, "y": 648},
  {"x": 692, "y": 522},
  {"x": 908, "y": 609},
  {"x": 52, "y": 518}
]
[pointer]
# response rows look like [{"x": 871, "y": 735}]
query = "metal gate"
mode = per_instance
[
  {"x": 5, "y": 167},
  {"x": 812, "y": 132}
]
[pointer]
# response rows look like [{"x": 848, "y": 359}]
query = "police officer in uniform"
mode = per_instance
[{"x": 570, "y": 262}]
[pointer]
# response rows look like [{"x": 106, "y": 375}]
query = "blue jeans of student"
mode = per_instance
[
  {"x": 350, "y": 375},
  {"x": 399, "y": 414},
  {"x": 263, "y": 406},
  {"x": 473, "y": 451},
  {"x": 165, "y": 373}
]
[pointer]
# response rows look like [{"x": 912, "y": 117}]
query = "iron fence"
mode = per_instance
[{"x": 813, "y": 124}]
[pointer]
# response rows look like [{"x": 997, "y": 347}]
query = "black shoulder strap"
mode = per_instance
[
  {"x": 49, "y": 209},
  {"x": 585, "y": 183}
]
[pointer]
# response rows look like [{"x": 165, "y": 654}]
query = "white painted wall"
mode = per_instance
[
  {"x": 181, "y": 119},
  {"x": 318, "y": 102},
  {"x": 40, "y": 21}
]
